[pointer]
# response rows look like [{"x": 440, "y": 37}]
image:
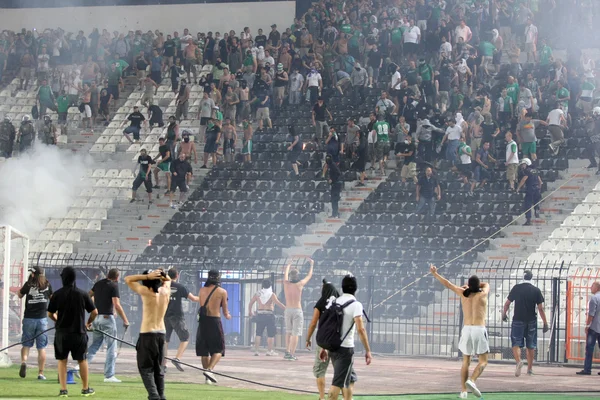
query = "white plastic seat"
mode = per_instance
[
  {"x": 87, "y": 192},
  {"x": 593, "y": 246},
  {"x": 579, "y": 246},
  {"x": 592, "y": 197},
  {"x": 126, "y": 183},
  {"x": 89, "y": 172},
  {"x": 563, "y": 245},
  {"x": 51, "y": 247},
  {"x": 102, "y": 182},
  {"x": 114, "y": 183},
  {"x": 97, "y": 148},
  {"x": 114, "y": 125},
  {"x": 124, "y": 194},
  {"x": 551, "y": 258},
  {"x": 582, "y": 209},
  {"x": 93, "y": 203},
  {"x": 112, "y": 193},
  {"x": 156, "y": 131},
  {"x": 576, "y": 233},
  {"x": 65, "y": 248},
  {"x": 80, "y": 225},
  {"x": 73, "y": 213},
  {"x": 100, "y": 214},
  {"x": 53, "y": 224},
  {"x": 100, "y": 192},
  {"x": 126, "y": 174},
  {"x": 569, "y": 258},
  {"x": 134, "y": 148},
  {"x": 37, "y": 247},
  {"x": 112, "y": 173},
  {"x": 597, "y": 187},
  {"x": 103, "y": 139},
  {"x": 79, "y": 203},
  {"x": 596, "y": 260},
  {"x": 87, "y": 214},
  {"x": 571, "y": 220},
  {"x": 99, "y": 173},
  {"x": 67, "y": 224},
  {"x": 547, "y": 245},
  {"x": 591, "y": 233},
  {"x": 595, "y": 209},
  {"x": 94, "y": 225},
  {"x": 585, "y": 259},
  {"x": 115, "y": 139},
  {"x": 46, "y": 235},
  {"x": 109, "y": 148},
  {"x": 106, "y": 203},
  {"x": 560, "y": 233},
  {"x": 535, "y": 258},
  {"x": 587, "y": 220},
  {"x": 74, "y": 236},
  {"x": 59, "y": 236}
]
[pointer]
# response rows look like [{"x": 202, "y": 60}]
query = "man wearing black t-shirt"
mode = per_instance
[
  {"x": 408, "y": 150},
  {"x": 428, "y": 192},
  {"x": 141, "y": 63},
  {"x": 164, "y": 163},
  {"x": 136, "y": 118},
  {"x": 174, "y": 319},
  {"x": 260, "y": 39},
  {"x": 105, "y": 295},
  {"x": 319, "y": 120},
  {"x": 180, "y": 169},
  {"x": 155, "y": 116},
  {"x": 37, "y": 291},
  {"x": 67, "y": 309},
  {"x": 523, "y": 331},
  {"x": 144, "y": 176}
]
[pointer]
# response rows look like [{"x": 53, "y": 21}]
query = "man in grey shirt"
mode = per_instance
[
  {"x": 205, "y": 111},
  {"x": 360, "y": 80},
  {"x": 526, "y": 135},
  {"x": 592, "y": 329}
]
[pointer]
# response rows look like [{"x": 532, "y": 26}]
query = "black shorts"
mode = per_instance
[
  {"x": 114, "y": 90},
  {"x": 178, "y": 183},
  {"x": 293, "y": 156},
  {"x": 74, "y": 343},
  {"x": 343, "y": 371},
  {"x": 146, "y": 182},
  {"x": 204, "y": 121},
  {"x": 210, "y": 338},
  {"x": 465, "y": 170},
  {"x": 62, "y": 117},
  {"x": 411, "y": 48},
  {"x": 211, "y": 146},
  {"x": 176, "y": 323},
  {"x": 265, "y": 321}
]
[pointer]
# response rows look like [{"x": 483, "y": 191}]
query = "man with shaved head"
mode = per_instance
[{"x": 592, "y": 329}]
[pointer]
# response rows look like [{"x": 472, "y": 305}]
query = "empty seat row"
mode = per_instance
[
  {"x": 565, "y": 245},
  {"x": 110, "y": 173},
  {"x": 258, "y": 196},
  {"x": 423, "y": 255},
  {"x": 51, "y": 247},
  {"x": 62, "y": 236},
  {"x": 231, "y": 228},
  {"x": 86, "y": 213},
  {"x": 401, "y": 242},
  {"x": 201, "y": 251},
  {"x": 418, "y": 230},
  {"x": 254, "y": 240},
  {"x": 111, "y": 193}
]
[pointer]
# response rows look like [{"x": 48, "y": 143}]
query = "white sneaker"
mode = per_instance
[
  {"x": 112, "y": 379},
  {"x": 272, "y": 353},
  {"x": 463, "y": 395},
  {"x": 207, "y": 381},
  {"x": 471, "y": 385},
  {"x": 519, "y": 368},
  {"x": 256, "y": 353},
  {"x": 210, "y": 376}
]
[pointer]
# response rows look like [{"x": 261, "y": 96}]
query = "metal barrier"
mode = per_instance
[
  {"x": 578, "y": 296},
  {"x": 411, "y": 313}
]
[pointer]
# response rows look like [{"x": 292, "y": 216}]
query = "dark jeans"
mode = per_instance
[
  {"x": 150, "y": 352},
  {"x": 336, "y": 190},
  {"x": 593, "y": 337},
  {"x": 426, "y": 201},
  {"x": 530, "y": 200},
  {"x": 425, "y": 151},
  {"x": 358, "y": 94},
  {"x": 314, "y": 94}
]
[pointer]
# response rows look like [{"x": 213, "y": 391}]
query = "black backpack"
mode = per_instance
[{"x": 329, "y": 335}]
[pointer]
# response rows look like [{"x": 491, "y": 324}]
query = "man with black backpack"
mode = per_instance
[{"x": 337, "y": 326}]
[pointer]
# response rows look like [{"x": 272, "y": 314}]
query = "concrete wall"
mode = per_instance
[{"x": 167, "y": 18}]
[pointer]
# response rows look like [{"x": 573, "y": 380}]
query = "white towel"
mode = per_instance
[{"x": 265, "y": 295}]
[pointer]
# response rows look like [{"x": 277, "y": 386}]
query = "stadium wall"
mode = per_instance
[{"x": 168, "y": 18}]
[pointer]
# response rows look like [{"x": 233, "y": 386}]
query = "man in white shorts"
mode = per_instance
[
  {"x": 294, "y": 318},
  {"x": 474, "y": 337}
]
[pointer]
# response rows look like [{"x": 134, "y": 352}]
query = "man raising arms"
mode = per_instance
[
  {"x": 294, "y": 319},
  {"x": 474, "y": 338},
  {"x": 210, "y": 339},
  {"x": 155, "y": 290}
]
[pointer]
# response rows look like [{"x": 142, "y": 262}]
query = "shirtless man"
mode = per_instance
[
  {"x": 265, "y": 318},
  {"x": 210, "y": 339},
  {"x": 188, "y": 147},
  {"x": 150, "y": 89},
  {"x": 229, "y": 139},
  {"x": 247, "y": 144},
  {"x": 474, "y": 338},
  {"x": 85, "y": 108},
  {"x": 155, "y": 291},
  {"x": 294, "y": 319}
]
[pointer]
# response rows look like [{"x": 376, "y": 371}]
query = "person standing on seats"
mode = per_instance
[
  {"x": 294, "y": 318},
  {"x": 144, "y": 176},
  {"x": 523, "y": 331},
  {"x": 210, "y": 339},
  {"x": 105, "y": 294},
  {"x": 136, "y": 118},
  {"x": 335, "y": 180},
  {"x": 67, "y": 309},
  {"x": 428, "y": 192},
  {"x": 474, "y": 337},
  {"x": 37, "y": 291},
  {"x": 175, "y": 320},
  {"x": 154, "y": 290},
  {"x": 180, "y": 168},
  {"x": 533, "y": 194}
]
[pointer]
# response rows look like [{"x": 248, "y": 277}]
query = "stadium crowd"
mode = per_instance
[{"x": 449, "y": 74}]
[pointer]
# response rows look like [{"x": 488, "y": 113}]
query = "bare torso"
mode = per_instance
[
  {"x": 475, "y": 309},
  {"x": 293, "y": 294},
  {"x": 219, "y": 297},
  {"x": 268, "y": 306},
  {"x": 154, "y": 309}
]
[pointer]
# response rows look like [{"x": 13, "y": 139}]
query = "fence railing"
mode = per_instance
[{"x": 411, "y": 313}]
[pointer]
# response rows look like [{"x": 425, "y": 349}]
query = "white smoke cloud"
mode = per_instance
[{"x": 39, "y": 185}]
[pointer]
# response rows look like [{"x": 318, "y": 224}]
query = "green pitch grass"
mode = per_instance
[{"x": 13, "y": 387}]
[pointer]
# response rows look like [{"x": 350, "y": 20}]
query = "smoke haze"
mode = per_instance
[{"x": 39, "y": 185}]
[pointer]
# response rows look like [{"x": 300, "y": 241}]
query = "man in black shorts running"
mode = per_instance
[
  {"x": 180, "y": 168},
  {"x": 174, "y": 319},
  {"x": 265, "y": 317},
  {"x": 210, "y": 339},
  {"x": 144, "y": 176},
  {"x": 67, "y": 309}
]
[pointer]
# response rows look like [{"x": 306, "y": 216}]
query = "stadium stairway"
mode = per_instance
[{"x": 516, "y": 242}]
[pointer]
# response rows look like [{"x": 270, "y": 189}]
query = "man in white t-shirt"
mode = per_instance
[
  {"x": 314, "y": 84},
  {"x": 343, "y": 358},
  {"x": 463, "y": 31},
  {"x": 412, "y": 38},
  {"x": 43, "y": 64},
  {"x": 452, "y": 136},
  {"x": 531, "y": 34},
  {"x": 396, "y": 82},
  {"x": 556, "y": 122}
]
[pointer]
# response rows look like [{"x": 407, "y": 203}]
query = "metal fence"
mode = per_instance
[{"x": 411, "y": 313}]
